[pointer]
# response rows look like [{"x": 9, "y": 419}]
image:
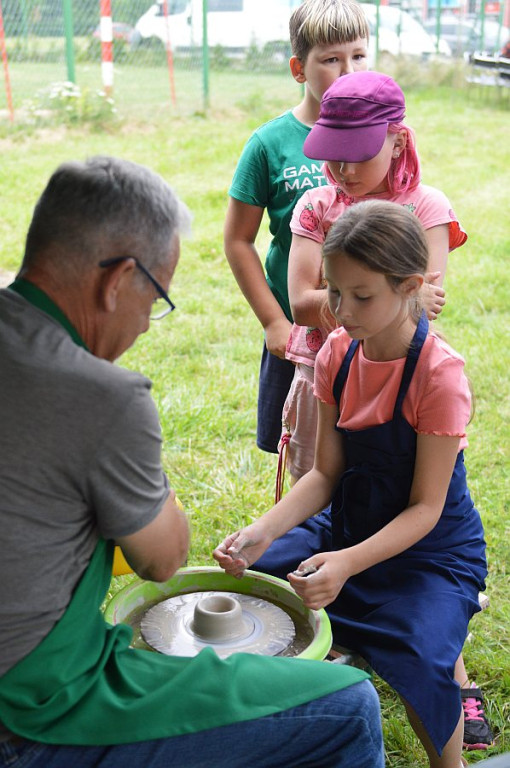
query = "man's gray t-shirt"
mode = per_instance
[{"x": 80, "y": 447}]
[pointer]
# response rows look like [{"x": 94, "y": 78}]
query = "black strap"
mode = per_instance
[
  {"x": 341, "y": 376},
  {"x": 413, "y": 354}
]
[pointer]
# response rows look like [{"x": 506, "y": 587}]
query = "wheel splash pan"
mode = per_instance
[{"x": 313, "y": 629}]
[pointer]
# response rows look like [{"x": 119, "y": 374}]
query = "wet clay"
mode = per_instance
[{"x": 228, "y": 622}]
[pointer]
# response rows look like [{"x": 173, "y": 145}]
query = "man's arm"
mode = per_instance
[{"x": 158, "y": 550}]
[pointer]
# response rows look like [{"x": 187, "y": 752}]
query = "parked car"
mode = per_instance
[
  {"x": 400, "y": 34},
  {"x": 464, "y": 33},
  {"x": 233, "y": 24},
  {"x": 237, "y": 24}
]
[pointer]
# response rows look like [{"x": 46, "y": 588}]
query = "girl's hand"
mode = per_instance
[
  {"x": 433, "y": 296},
  {"x": 320, "y": 588},
  {"x": 242, "y": 548}
]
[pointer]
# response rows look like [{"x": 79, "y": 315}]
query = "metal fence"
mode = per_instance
[
  {"x": 164, "y": 54},
  {"x": 53, "y": 41}
]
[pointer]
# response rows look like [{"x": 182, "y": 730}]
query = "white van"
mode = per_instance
[{"x": 233, "y": 24}]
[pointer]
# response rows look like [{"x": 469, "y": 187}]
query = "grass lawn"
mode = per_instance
[{"x": 204, "y": 359}]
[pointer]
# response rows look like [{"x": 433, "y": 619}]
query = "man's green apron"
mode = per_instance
[{"x": 83, "y": 684}]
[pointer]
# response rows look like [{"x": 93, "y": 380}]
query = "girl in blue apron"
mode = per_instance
[{"x": 398, "y": 557}]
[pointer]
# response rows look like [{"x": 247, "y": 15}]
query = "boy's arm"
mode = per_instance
[
  {"x": 241, "y": 227},
  {"x": 307, "y": 294}
]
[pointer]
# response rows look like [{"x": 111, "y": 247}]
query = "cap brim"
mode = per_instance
[{"x": 348, "y": 145}]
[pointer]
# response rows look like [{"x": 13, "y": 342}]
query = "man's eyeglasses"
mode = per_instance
[{"x": 163, "y": 304}]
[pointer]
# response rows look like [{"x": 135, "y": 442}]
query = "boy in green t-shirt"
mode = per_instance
[{"x": 329, "y": 38}]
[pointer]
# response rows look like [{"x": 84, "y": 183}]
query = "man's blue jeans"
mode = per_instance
[{"x": 341, "y": 730}]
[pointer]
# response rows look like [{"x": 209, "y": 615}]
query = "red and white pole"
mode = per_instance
[
  {"x": 106, "y": 45},
  {"x": 169, "y": 55},
  {"x": 6, "y": 67}
]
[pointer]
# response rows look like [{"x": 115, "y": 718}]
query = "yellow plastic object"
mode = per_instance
[{"x": 120, "y": 564}]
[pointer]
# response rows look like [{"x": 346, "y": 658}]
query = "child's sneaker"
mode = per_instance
[{"x": 477, "y": 731}]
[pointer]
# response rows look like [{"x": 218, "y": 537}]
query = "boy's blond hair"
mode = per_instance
[{"x": 323, "y": 22}]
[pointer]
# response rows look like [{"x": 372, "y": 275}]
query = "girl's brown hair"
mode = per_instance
[{"x": 385, "y": 237}]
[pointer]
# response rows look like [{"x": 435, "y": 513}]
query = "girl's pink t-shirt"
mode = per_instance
[
  {"x": 438, "y": 401},
  {"x": 316, "y": 211}
]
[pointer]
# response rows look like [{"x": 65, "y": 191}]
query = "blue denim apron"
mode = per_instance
[{"x": 407, "y": 616}]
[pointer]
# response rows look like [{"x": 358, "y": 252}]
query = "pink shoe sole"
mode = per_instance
[{"x": 469, "y": 747}]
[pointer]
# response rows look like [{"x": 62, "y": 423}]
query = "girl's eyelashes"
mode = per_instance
[{"x": 336, "y": 292}]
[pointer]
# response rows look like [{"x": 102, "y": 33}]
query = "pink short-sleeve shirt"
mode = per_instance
[
  {"x": 319, "y": 208},
  {"x": 438, "y": 401}
]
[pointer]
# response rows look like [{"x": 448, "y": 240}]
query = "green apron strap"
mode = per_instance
[{"x": 42, "y": 301}]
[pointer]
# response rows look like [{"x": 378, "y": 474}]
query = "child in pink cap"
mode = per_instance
[{"x": 370, "y": 154}]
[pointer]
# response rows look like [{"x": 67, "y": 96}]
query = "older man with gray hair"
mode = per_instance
[{"x": 80, "y": 470}]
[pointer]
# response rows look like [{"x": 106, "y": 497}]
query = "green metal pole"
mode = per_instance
[
  {"x": 438, "y": 24},
  {"x": 205, "y": 55},
  {"x": 68, "y": 28},
  {"x": 482, "y": 25},
  {"x": 24, "y": 24},
  {"x": 24, "y": 18},
  {"x": 499, "y": 41}
]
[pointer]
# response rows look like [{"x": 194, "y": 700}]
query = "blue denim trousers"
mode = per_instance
[
  {"x": 275, "y": 378},
  {"x": 341, "y": 730}
]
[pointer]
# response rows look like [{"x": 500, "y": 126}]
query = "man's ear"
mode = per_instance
[
  {"x": 297, "y": 69},
  {"x": 113, "y": 280}
]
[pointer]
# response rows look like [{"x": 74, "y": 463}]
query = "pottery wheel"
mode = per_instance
[{"x": 265, "y": 629}]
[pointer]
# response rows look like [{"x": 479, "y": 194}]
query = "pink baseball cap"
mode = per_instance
[{"x": 354, "y": 116}]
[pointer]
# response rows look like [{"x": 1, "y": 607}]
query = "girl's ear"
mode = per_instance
[
  {"x": 411, "y": 286},
  {"x": 400, "y": 143},
  {"x": 297, "y": 69}
]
